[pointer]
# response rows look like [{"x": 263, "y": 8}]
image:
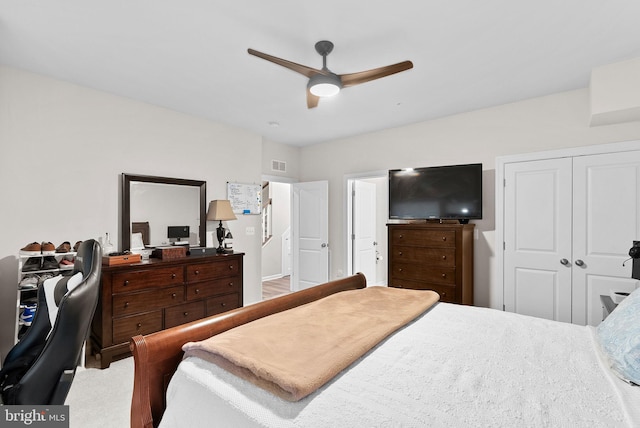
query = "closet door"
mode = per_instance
[
  {"x": 606, "y": 221},
  {"x": 537, "y": 238}
]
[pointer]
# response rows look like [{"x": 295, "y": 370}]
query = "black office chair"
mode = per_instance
[{"x": 39, "y": 369}]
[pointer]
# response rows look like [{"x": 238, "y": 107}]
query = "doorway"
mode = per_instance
[
  {"x": 366, "y": 219},
  {"x": 276, "y": 233}
]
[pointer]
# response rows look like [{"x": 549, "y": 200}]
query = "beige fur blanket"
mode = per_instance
[{"x": 295, "y": 352}]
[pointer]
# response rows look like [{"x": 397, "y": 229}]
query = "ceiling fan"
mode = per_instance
[{"x": 325, "y": 83}]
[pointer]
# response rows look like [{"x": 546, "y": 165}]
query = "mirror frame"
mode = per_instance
[{"x": 125, "y": 212}]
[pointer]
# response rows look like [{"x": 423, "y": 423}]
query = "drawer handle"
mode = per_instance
[
  {"x": 197, "y": 272},
  {"x": 231, "y": 267},
  {"x": 173, "y": 295},
  {"x": 173, "y": 276},
  {"x": 444, "y": 238},
  {"x": 444, "y": 275},
  {"x": 185, "y": 314},
  {"x": 139, "y": 325},
  {"x": 399, "y": 253},
  {"x": 197, "y": 290},
  {"x": 126, "y": 304},
  {"x": 126, "y": 283},
  {"x": 401, "y": 236},
  {"x": 443, "y": 294},
  {"x": 223, "y": 304},
  {"x": 399, "y": 269},
  {"x": 231, "y": 284},
  {"x": 444, "y": 257}
]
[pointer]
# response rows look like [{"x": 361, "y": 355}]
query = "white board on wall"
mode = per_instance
[{"x": 245, "y": 198}]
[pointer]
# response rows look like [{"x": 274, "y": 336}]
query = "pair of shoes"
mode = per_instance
[
  {"x": 28, "y": 312},
  {"x": 65, "y": 247},
  {"x": 31, "y": 281},
  {"x": 77, "y": 246},
  {"x": 35, "y": 249},
  {"x": 40, "y": 263}
]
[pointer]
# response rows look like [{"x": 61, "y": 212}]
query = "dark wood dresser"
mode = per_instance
[
  {"x": 143, "y": 298},
  {"x": 432, "y": 256}
]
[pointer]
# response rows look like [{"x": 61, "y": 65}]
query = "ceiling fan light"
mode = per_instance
[
  {"x": 324, "y": 86},
  {"x": 324, "y": 89}
]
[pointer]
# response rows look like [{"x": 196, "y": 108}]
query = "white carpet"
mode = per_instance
[{"x": 101, "y": 398}]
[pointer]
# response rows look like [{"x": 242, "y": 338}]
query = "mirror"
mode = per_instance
[{"x": 150, "y": 205}]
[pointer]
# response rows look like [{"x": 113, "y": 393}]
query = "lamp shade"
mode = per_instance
[
  {"x": 322, "y": 85},
  {"x": 220, "y": 209}
]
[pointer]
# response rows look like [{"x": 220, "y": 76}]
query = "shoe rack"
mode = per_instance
[{"x": 33, "y": 270}]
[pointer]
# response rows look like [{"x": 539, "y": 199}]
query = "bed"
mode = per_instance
[{"x": 453, "y": 365}]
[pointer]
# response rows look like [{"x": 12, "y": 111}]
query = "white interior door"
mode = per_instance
[
  {"x": 310, "y": 234},
  {"x": 364, "y": 229},
  {"x": 537, "y": 238},
  {"x": 606, "y": 221}
]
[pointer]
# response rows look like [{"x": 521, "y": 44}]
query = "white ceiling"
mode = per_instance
[{"x": 191, "y": 55}]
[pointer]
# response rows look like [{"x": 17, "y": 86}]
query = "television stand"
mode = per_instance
[{"x": 432, "y": 256}]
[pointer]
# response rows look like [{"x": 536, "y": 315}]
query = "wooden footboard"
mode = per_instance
[{"x": 156, "y": 356}]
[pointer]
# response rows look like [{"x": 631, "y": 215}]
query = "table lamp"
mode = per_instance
[{"x": 220, "y": 210}]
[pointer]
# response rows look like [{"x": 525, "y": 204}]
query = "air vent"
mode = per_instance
[{"x": 277, "y": 165}]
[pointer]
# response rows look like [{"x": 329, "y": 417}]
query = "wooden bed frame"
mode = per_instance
[{"x": 157, "y": 355}]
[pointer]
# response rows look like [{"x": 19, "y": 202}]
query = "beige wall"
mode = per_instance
[
  {"x": 280, "y": 194},
  {"x": 556, "y": 121},
  {"x": 62, "y": 150}
]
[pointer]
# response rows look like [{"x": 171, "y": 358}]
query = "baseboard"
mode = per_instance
[{"x": 272, "y": 277}]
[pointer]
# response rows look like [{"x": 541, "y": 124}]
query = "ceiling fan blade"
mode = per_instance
[
  {"x": 312, "y": 100},
  {"x": 353, "y": 79},
  {"x": 298, "y": 68}
]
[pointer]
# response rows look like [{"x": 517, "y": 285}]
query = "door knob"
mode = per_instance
[
  {"x": 579, "y": 262},
  {"x": 324, "y": 245},
  {"x": 564, "y": 262}
]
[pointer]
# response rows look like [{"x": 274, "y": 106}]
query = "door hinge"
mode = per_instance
[
  {"x": 504, "y": 308},
  {"x": 504, "y": 246},
  {"x": 353, "y": 237},
  {"x": 504, "y": 182}
]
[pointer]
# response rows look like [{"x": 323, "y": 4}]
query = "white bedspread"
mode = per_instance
[{"x": 456, "y": 366}]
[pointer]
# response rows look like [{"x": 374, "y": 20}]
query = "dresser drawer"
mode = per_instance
[
  {"x": 427, "y": 238},
  {"x": 214, "y": 287},
  {"x": 217, "y": 305},
  {"x": 204, "y": 271},
  {"x": 127, "y": 327},
  {"x": 433, "y": 256},
  {"x": 133, "y": 303},
  {"x": 447, "y": 292},
  {"x": 137, "y": 280},
  {"x": 420, "y": 272},
  {"x": 184, "y": 313}
]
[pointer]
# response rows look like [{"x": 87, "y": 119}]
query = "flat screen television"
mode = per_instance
[{"x": 441, "y": 192}]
